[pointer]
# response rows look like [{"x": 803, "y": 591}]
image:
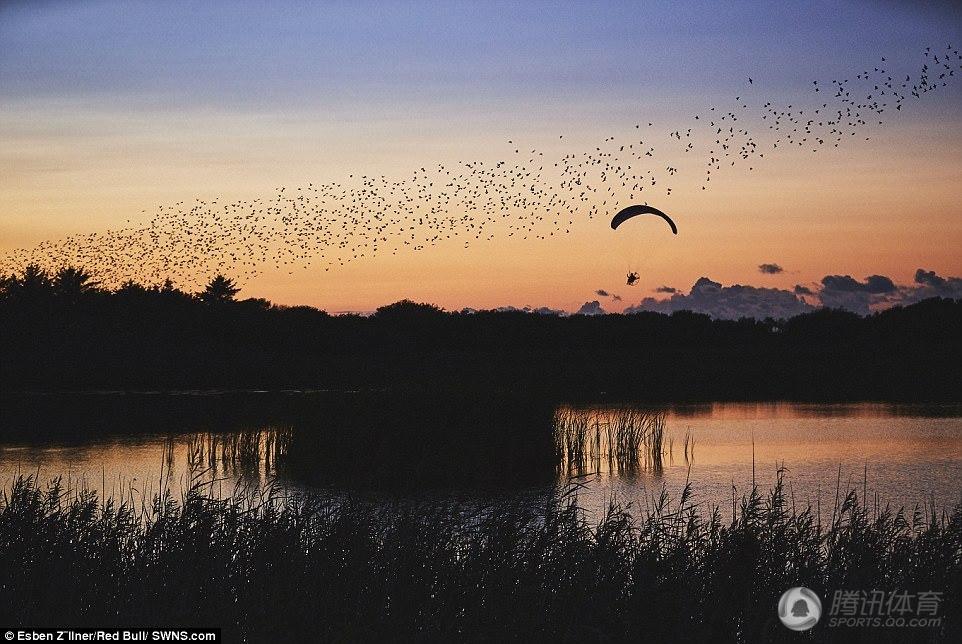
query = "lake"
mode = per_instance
[{"x": 135, "y": 445}]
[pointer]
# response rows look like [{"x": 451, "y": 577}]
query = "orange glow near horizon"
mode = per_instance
[
  {"x": 885, "y": 206},
  {"x": 112, "y": 110}
]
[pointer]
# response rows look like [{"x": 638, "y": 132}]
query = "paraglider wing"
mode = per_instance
[{"x": 634, "y": 211}]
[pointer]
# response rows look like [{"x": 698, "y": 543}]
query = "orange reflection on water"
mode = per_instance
[{"x": 906, "y": 454}]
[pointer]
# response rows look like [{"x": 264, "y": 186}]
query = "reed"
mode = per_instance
[
  {"x": 253, "y": 451},
  {"x": 267, "y": 567},
  {"x": 622, "y": 440}
]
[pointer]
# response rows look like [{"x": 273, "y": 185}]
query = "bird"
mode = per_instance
[{"x": 531, "y": 195}]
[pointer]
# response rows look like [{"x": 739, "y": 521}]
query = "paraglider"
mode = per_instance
[{"x": 634, "y": 211}]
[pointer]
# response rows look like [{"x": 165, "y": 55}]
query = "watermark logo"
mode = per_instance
[
  {"x": 799, "y": 608},
  {"x": 881, "y": 609}
]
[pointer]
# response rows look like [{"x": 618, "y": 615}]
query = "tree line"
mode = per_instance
[{"x": 63, "y": 331}]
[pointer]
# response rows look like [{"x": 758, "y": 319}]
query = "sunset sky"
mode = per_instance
[{"x": 108, "y": 109}]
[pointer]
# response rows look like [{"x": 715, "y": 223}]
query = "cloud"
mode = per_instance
[
  {"x": 879, "y": 284},
  {"x": 874, "y": 293},
  {"x": 846, "y": 292},
  {"x": 928, "y": 278},
  {"x": 874, "y": 284},
  {"x": 728, "y": 302},
  {"x": 591, "y": 308},
  {"x": 603, "y": 293},
  {"x": 541, "y": 310},
  {"x": 929, "y": 284},
  {"x": 545, "y": 310},
  {"x": 770, "y": 269}
]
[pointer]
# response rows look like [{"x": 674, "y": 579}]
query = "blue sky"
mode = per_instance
[{"x": 258, "y": 53}]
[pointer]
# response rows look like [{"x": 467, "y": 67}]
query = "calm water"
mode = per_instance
[{"x": 903, "y": 453}]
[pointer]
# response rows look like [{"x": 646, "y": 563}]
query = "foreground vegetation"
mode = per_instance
[
  {"x": 64, "y": 332},
  {"x": 311, "y": 569}
]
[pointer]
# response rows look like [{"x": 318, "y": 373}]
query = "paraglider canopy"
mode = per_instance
[{"x": 634, "y": 211}]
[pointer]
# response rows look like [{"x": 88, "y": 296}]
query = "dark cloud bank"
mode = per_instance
[
  {"x": 729, "y": 302},
  {"x": 836, "y": 291},
  {"x": 873, "y": 293},
  {"x": 603, "y": 293},
  {"x": 590, "y": 308}
]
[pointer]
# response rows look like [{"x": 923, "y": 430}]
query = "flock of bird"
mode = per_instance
[{"x": 529, "y": 195}]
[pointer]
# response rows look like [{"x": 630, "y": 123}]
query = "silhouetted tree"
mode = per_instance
[
  {"x": 34, "y": 278},
  {"x": 32, "y": 285},
  {"x": 73, "y": 282},
  {"x": 130, "y": 287},
  {"x": 218, "y": 290},
  {"x": 7, "y": 282},
  {"x": 408, "y": 310}
]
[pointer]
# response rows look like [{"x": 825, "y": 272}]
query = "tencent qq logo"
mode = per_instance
[{"x": 799, "y": 608}]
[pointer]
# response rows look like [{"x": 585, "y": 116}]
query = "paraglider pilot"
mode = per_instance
[{"x": 632, "y": 278}]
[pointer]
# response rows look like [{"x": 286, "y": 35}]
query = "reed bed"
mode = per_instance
[
  {"x": 309, "y": 568},
  {"x": 252, "y": 451},
  {"x": 618, "y": 440}
]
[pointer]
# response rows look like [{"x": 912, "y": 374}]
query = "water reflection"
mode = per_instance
[
  {"x": 621, "y": 441},
  {"x": 904, "y": 453},
  {"x": 140, "y": 467},
  {"x": 252, "y": 457}
]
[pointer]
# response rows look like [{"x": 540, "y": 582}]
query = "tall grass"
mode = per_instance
[
  {"x": 617, "y": 440},
  {"x": 258, "y": 450},
  {"x": 307, "y": 568}
]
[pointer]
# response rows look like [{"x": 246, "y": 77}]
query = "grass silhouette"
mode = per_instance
[{"x": 308, "y": 568}]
